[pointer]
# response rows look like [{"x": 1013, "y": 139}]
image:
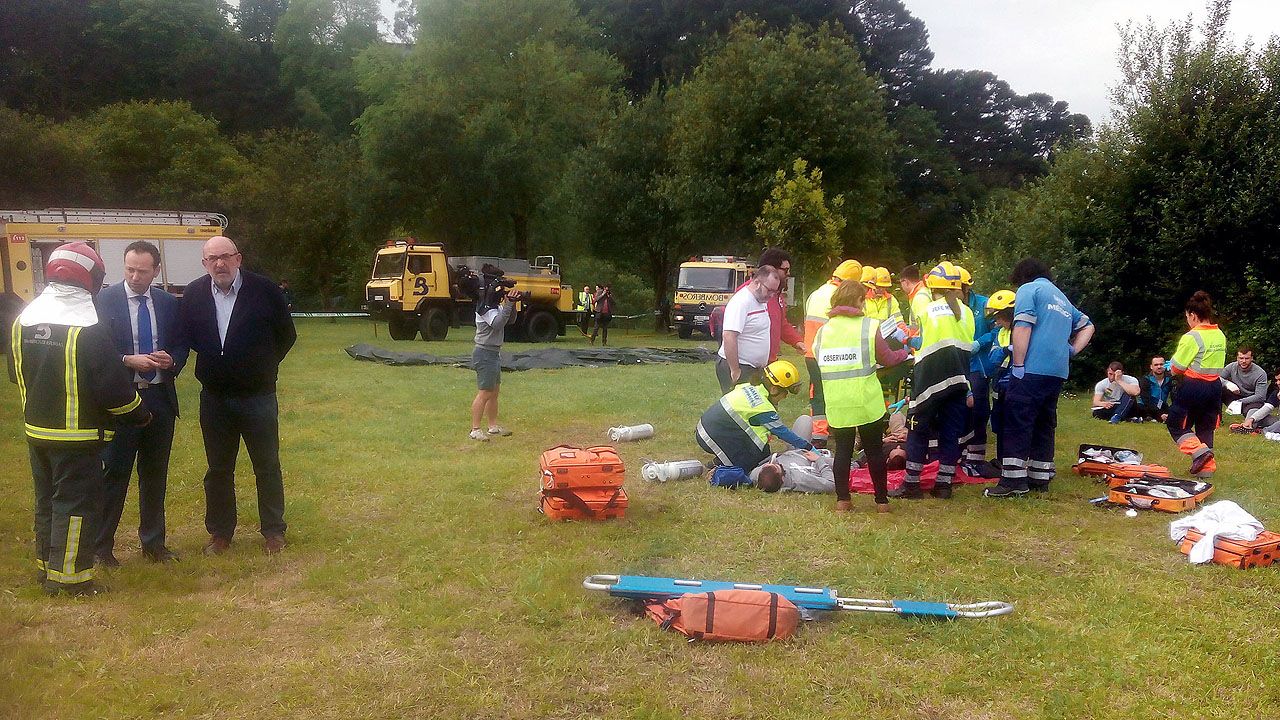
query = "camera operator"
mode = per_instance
[
  {"x": 604, "y": 313},
  {"x": 494, "y": 312}
]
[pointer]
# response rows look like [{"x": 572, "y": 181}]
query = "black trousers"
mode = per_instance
[
  {"x": 747, "y": 374},
  {"x": 150, "y": 447},
  {"x": 817, "y": 401},
  {"x": 872, "y": 435},
  {"x": 1028, "y": 430},
  {"x": 602, "y": 327},
  {"x": 68, "y": 493},
  {"x": 224, "y": 420},
  {"x": 1196, "y": 410}
]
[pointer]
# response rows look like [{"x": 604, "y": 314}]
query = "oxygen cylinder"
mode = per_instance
[
  {"x": 671, "y": 471},
  {"x": 631, "y": 433}
]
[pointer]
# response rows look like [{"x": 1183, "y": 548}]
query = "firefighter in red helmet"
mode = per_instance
[{"x": 73, "y": 390}]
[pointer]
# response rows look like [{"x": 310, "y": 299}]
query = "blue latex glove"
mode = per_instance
[
  {"x": 900, "y": 335},
  {"x": 1018, "y": 371},
  {"x": 1168, "y": 365}
]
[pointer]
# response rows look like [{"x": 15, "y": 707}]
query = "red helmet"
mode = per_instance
[{"x": 76, "y": 264}]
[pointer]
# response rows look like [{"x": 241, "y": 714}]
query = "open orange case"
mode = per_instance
[{"x": 1137, "y": 493}]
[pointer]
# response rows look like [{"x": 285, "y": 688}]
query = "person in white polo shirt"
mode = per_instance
[{"x": 744, "y": 348}]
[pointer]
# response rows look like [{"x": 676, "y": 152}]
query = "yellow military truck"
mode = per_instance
[
  {"x": 28, "y": 236},
  {"x": 702, "y": 286},
  {"x": 415, "y": 288}
]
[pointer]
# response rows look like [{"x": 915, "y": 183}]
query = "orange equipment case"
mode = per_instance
[
  {"x": 1136, "y": 493},
  {"x": 584, "y": 504},
  {"x": 1261, "y": 552},
  {"x": 568, "y": 467},
  {"x": 1114, "y": 473}
]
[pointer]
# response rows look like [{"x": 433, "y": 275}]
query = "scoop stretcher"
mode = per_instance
[{"x": 641, "y": 587}]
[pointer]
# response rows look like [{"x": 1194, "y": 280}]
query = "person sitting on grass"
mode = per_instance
[
  {"x": 737, "y": 427},
  {"x": 1244, "y": 381},
  {"x": 1266, "y": 418},
  {"x": 1156, "y": 390},
  {"x": 1114, "y": 397}
]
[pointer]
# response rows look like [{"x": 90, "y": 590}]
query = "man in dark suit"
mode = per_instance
[
  {"x": 238, "y": 324},
  {"x": 143, "y": 323}
]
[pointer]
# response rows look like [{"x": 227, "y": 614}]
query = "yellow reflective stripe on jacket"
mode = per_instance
[
  {"x": 15, "y": 339},
  {"x": 745, "y": 402},
  {"x": 127, "y": 407},
  {"x": 41, "y": 433},
  {"x": 67, "y": 575},
  {"x": 72, "y": 380}
]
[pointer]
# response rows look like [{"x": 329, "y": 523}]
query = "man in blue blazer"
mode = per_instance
[
  {"x": 238, "y": 324},
  {"x": 143, "y": 323}
]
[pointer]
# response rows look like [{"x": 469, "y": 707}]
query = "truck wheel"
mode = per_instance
[
  {"x": 400, "y": 327},
  {"x": 434, "y": 324},
  {"x": 541, "y": 327},
  {"x": 684, "y": 331}
]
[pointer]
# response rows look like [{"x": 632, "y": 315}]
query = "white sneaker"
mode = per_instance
[
  {"x": 499, "y": 431},
  {"x": 479, "y": 434}
]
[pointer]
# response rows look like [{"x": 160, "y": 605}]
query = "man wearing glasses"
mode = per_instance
[
  {"x": 238, "y": 324},
  {"x": 744, "y": 349}
]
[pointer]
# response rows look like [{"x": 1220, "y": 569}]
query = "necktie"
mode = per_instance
[{"x": 146, "y": 344}]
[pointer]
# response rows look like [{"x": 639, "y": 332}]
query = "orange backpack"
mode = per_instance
[{"x": 723, "y": 615}]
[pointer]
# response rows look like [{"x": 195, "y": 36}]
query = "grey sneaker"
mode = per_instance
[
  {"x": 480, "y": 435},
  {"x": 499, "y": 431}
]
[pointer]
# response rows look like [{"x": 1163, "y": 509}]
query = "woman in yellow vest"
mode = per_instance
[
  {"x": 881, "y": 304},
  {"x": 847, "y": 349},
  {"x": 1197, "y": 400}
]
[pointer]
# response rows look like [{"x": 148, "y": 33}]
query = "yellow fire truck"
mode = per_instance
[
  {"x": 415, "y": 289},
  {"x": 28, "y": 236},
  {"x": 704, "y": 285}
]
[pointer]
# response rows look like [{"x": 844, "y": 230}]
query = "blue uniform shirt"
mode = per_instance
[
  {"x": 981, "y": 326},
  {"x": 1053, "y": 320}
]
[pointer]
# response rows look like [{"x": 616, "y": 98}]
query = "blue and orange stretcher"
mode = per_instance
[{"x": 641, "y": 587}]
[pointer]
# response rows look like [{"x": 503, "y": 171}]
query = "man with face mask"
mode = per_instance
[{"x": 74, "y": 390}]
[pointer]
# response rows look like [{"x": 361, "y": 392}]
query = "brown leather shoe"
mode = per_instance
[
  {"x": 844, "y": 506},
  {"x": 273, "y": 543},
  {"x": 217, "y": 545}
]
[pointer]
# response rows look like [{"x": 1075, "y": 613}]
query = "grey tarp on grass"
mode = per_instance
[{"x": 543, "y": 358}]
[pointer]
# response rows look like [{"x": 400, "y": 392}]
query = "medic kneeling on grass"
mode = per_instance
[{"x": 737, "y": 427}]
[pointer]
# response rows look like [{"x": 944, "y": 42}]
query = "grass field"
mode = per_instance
[{"x": 421, "y": 582}]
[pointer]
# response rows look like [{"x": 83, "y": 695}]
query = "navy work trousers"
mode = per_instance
[
  {"x": 150, "y": 447},
  {"x": 1028, "y": 427},
  {"x": 224, "y": 420},
  {"x": 1196, "y": 408},
  {"x": 945, "y": 417}
]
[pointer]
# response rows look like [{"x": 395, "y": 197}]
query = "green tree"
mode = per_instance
[
  {"x": 613, "y": 191},
  {"x": 762, "y": 100},
  {"x": 45, "y": 164},
  {"x": 798, "y": 218},
  {"x": 157, "y": 154},
  {"x": 291, "y": 205},
  {"x": 1179, "y": 194},
  {"x": 469, "y": 137},
  {"x": 257, "y": 19},
  {"x": 318, "y": 41}
]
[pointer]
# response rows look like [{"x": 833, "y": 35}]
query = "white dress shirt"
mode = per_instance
[
  {"x": 224, "y": 303},
  {"x": 133, "y": 324}
]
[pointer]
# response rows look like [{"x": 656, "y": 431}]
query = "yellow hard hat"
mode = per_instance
[
  {"x": 848, "y": 270},
  {"x": 883, "y": 278},
  {"x": 965, "y": 277},
  {"x": 1000, "y": 300},
  {"x": 783, "y": 375},
  {"x": 868, "y": 275},
  {"x": 944, "y": 276}
]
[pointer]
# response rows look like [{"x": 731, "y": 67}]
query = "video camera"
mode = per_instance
[{"x": 496, "y": 286}]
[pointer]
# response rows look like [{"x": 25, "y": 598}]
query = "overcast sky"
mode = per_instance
[{"x": 1066, "y": 48}]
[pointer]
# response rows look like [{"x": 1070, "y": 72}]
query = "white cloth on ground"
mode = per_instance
[{"x": 1224, "y": 518}]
